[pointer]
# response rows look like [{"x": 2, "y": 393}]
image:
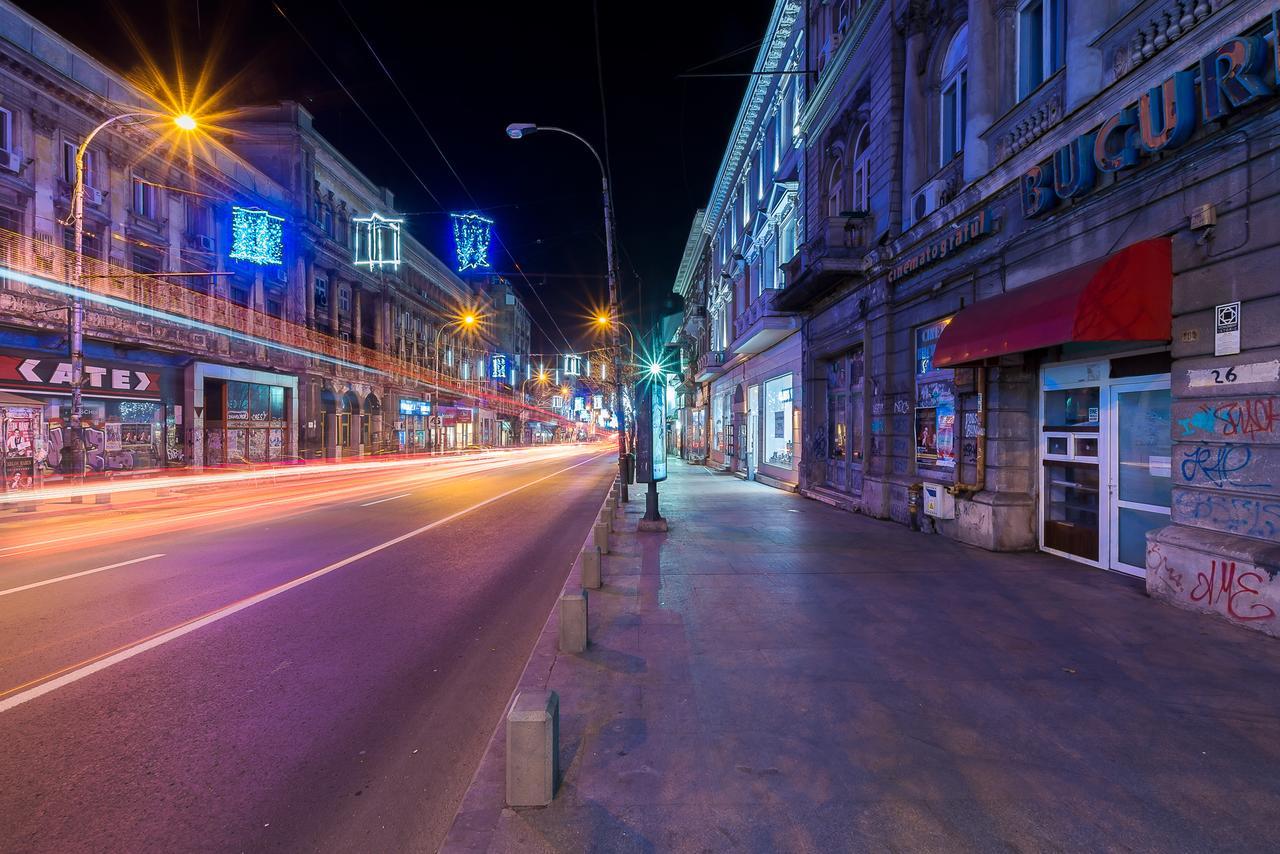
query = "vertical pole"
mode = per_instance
[
  {"x": 614, "y": 312},
  {"x": 77, "y": 317}
]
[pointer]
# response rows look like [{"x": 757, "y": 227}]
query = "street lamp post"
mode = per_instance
[
  {"x": 184, "y": 122},
  {"x": 519, "y": 131},
  {"x": 466, "y": 321}
]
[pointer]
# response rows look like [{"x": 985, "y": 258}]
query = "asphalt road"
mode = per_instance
[{"x": 309, "y": 667}]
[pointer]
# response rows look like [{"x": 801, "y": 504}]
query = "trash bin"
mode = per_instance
[{"x": 631, "y": 468}]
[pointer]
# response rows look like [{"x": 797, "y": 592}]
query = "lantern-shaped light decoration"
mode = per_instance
[
  {"x": 471, "y": 235},
  {"x": 257, "y": 236},
  {"x": 377, "y": 241}
]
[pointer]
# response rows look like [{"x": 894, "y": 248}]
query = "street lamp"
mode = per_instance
[
  {"x": 520, "y": 131},
  {"x": 184, "y": 122},
  {"x": 465, "y": 322}
]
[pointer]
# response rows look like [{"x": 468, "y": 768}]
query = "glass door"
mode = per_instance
[
  {"x": 1141, "y": 476},
  {"x": 753, "y": 429},
  {"x": 1072, "y": 523}
]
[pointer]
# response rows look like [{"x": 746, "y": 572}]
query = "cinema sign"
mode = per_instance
[{"x": 1240, "y": 72}]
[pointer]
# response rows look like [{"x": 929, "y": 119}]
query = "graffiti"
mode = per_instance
[
  {"x": 969, "y": 453},
  {"x": 901, "y": 406},
  {"x": 878, "y": 407},
  {"x": 820, "y": 444},
  {"x": 1251, "y": 517},
  {"x": 1248, "y": 418},
  {"x": 1218, "y": 465},
  {"x": 877, "y": 425},
  {"x": 1223, "y": 584}
]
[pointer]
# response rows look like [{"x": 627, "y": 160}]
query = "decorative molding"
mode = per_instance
[
  {"x": 1151, "y": 31},
  {"x": 1029, "y": 119}
]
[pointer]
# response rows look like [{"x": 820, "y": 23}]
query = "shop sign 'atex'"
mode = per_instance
[
  {"x": 102, "y": 379},
  {"x": 1230, "y": 77}
]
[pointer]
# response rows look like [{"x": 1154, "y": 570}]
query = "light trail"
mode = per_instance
[
  {"x": 303, "y": 503},
  {"x": 70, "y": 674}
]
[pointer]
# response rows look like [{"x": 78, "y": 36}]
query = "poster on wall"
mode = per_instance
[
  {"x": 114, "y": 441},
  {"x": 926, "y": 434},
  {"x": 945, "y": 434}
]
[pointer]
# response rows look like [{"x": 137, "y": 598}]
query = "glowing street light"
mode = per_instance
[{"x": 184, "y": 122}]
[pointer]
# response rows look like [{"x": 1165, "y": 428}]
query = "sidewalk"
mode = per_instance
[{"x": 777, "y": 675}]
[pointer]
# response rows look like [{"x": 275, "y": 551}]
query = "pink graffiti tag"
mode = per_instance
[{"x": 1222, "y": 583}]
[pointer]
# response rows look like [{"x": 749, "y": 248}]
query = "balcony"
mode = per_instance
[
  {"x": 835, "y": 253},
  {"x": 762, "y": 325},
  {"x": 710, "y": 364}
]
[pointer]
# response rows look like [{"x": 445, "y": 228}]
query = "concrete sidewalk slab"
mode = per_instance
[{"x": 777, "y": 675}]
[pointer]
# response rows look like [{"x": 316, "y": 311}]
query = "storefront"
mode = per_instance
[
  {"x": 240, "y": 415},
  {"x": 756, "y": 416},
  {"x": 130, "y": 421},
  {"x": 413, "y": 424}
]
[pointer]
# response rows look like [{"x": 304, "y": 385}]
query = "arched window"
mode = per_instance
[
  {"x": 862, "y": 170},
  {"x": 835, "y": 188},
  {"x": 953, "y": 83}
]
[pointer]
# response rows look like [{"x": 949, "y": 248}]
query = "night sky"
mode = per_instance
[{"x": 470, "y": 69}]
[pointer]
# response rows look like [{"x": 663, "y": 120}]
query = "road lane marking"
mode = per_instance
[
  {"x": 38, "y": 687},
  {"x": 81, "y": 574},
  {"x": 380, "y": 500},
  {"x": 474, "y": 466}
]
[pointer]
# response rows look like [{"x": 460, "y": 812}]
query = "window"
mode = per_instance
[
  {"x": 344, "y": 299},
  {"x": 862, "y": 170},
  {"x": 954, "y": 81},
  {"x": 239, "y": 294},
  {"x": 275, "y": 308},
  {"x": 769, "y": 267},
  {"x": 779, "y": 447},
  {"x": 91, "y": 241},
  {"x": 844, "y": 418},
  {"x": 69, "y": 165},
  {"x": 1042, "y": 26},
  {"x": 144, "y": 199},
  {"x": 322, "y": 293},
  {"x": 147, "y": 263},
  {"x": 198, "y": 218},
  {"x": 835, "y": 188},
  {"x": 6, "y": 130}
]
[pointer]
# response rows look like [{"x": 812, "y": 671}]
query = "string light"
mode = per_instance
[
  {"x": 471, "y": 235},
  {"x": 256, "y": 236}
]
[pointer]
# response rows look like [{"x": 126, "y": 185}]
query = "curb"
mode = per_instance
[{"x": 476, "y": 818}]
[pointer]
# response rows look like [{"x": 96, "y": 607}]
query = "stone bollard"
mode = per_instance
[
  {"x": 533, "y": 749},
  {"x": 591, "y": 567},
  {"x": 573, "y": 622},
  {"x": 602, "y": 537}
]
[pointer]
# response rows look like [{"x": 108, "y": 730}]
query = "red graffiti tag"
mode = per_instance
[
  {"x": 1247, "y": 417},
  {"x": 1222, "y": 583}
]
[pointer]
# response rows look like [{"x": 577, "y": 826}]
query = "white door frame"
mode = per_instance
[
  {"x": 1159, "y": 382},
  {"x": 753, "y": 429}
]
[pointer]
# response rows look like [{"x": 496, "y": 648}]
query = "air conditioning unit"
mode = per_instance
[
  {"x": 92, "y": 195},
  {"x": 925, "y": 201},
  {"x": 204, "y": 243},
  {"x": 11, "y": 160}
]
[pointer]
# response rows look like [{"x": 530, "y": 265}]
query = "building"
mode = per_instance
[
  {"x": 252, "y": 304},
  {"x": 1034, "y": 249},
  {"x": 509, "y": 322},
  {"x": 1031, "y": 267},
  {"x": 743, "y": 393}
]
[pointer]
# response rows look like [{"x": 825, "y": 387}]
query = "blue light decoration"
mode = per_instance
[
  {"x": 257, "y": 236},
  {"x": 377, "y": 241},
  {"x": 471, "y": 235},
  {"x": 498, "y": 366}
]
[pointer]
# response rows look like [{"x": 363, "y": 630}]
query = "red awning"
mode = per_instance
[{"x": 1125, "y": 296}]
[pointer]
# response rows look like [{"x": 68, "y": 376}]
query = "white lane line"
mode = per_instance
[
  {"x": 128, "y": 652},
  {"x": 36, "y": 584},
  {"x": 380, "y": 500}
]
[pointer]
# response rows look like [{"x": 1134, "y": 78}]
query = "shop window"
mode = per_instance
[
  {"x": 779, "y": 444},
  {"x": 935, "y": 411}
]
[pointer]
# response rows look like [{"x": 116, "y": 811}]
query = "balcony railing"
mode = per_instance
[
  {"x": 762, "y": 324},
  {"x": 709, "y": 365},
  {"x": 835, "y": 252}
]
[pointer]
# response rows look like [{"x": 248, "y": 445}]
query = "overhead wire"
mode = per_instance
[{"x": 440, "y": 151}]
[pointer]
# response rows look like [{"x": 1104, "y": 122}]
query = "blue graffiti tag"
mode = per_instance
[
  {"x": 1205, "y": 421},
  {"x": 1218, "y": 464}
]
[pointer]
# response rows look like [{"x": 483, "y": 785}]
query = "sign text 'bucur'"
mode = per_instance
[{"x": 1239, "y": 72}]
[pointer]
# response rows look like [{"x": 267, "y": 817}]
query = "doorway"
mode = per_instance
[
  {"x": 753, "y": 429},
  {"x": 1105, "y": 447}
]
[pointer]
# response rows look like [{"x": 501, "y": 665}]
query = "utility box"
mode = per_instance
[{"x": 939, "y": 503}]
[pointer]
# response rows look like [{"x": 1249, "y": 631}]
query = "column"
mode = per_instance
[
  {"x": 357, "y": 315},
  {"x": 1084, "y": 63},
  {"x": 915, "y": 124},
  {"x": 379, "y": 321},
  {"x": 982, "y": 104}
]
